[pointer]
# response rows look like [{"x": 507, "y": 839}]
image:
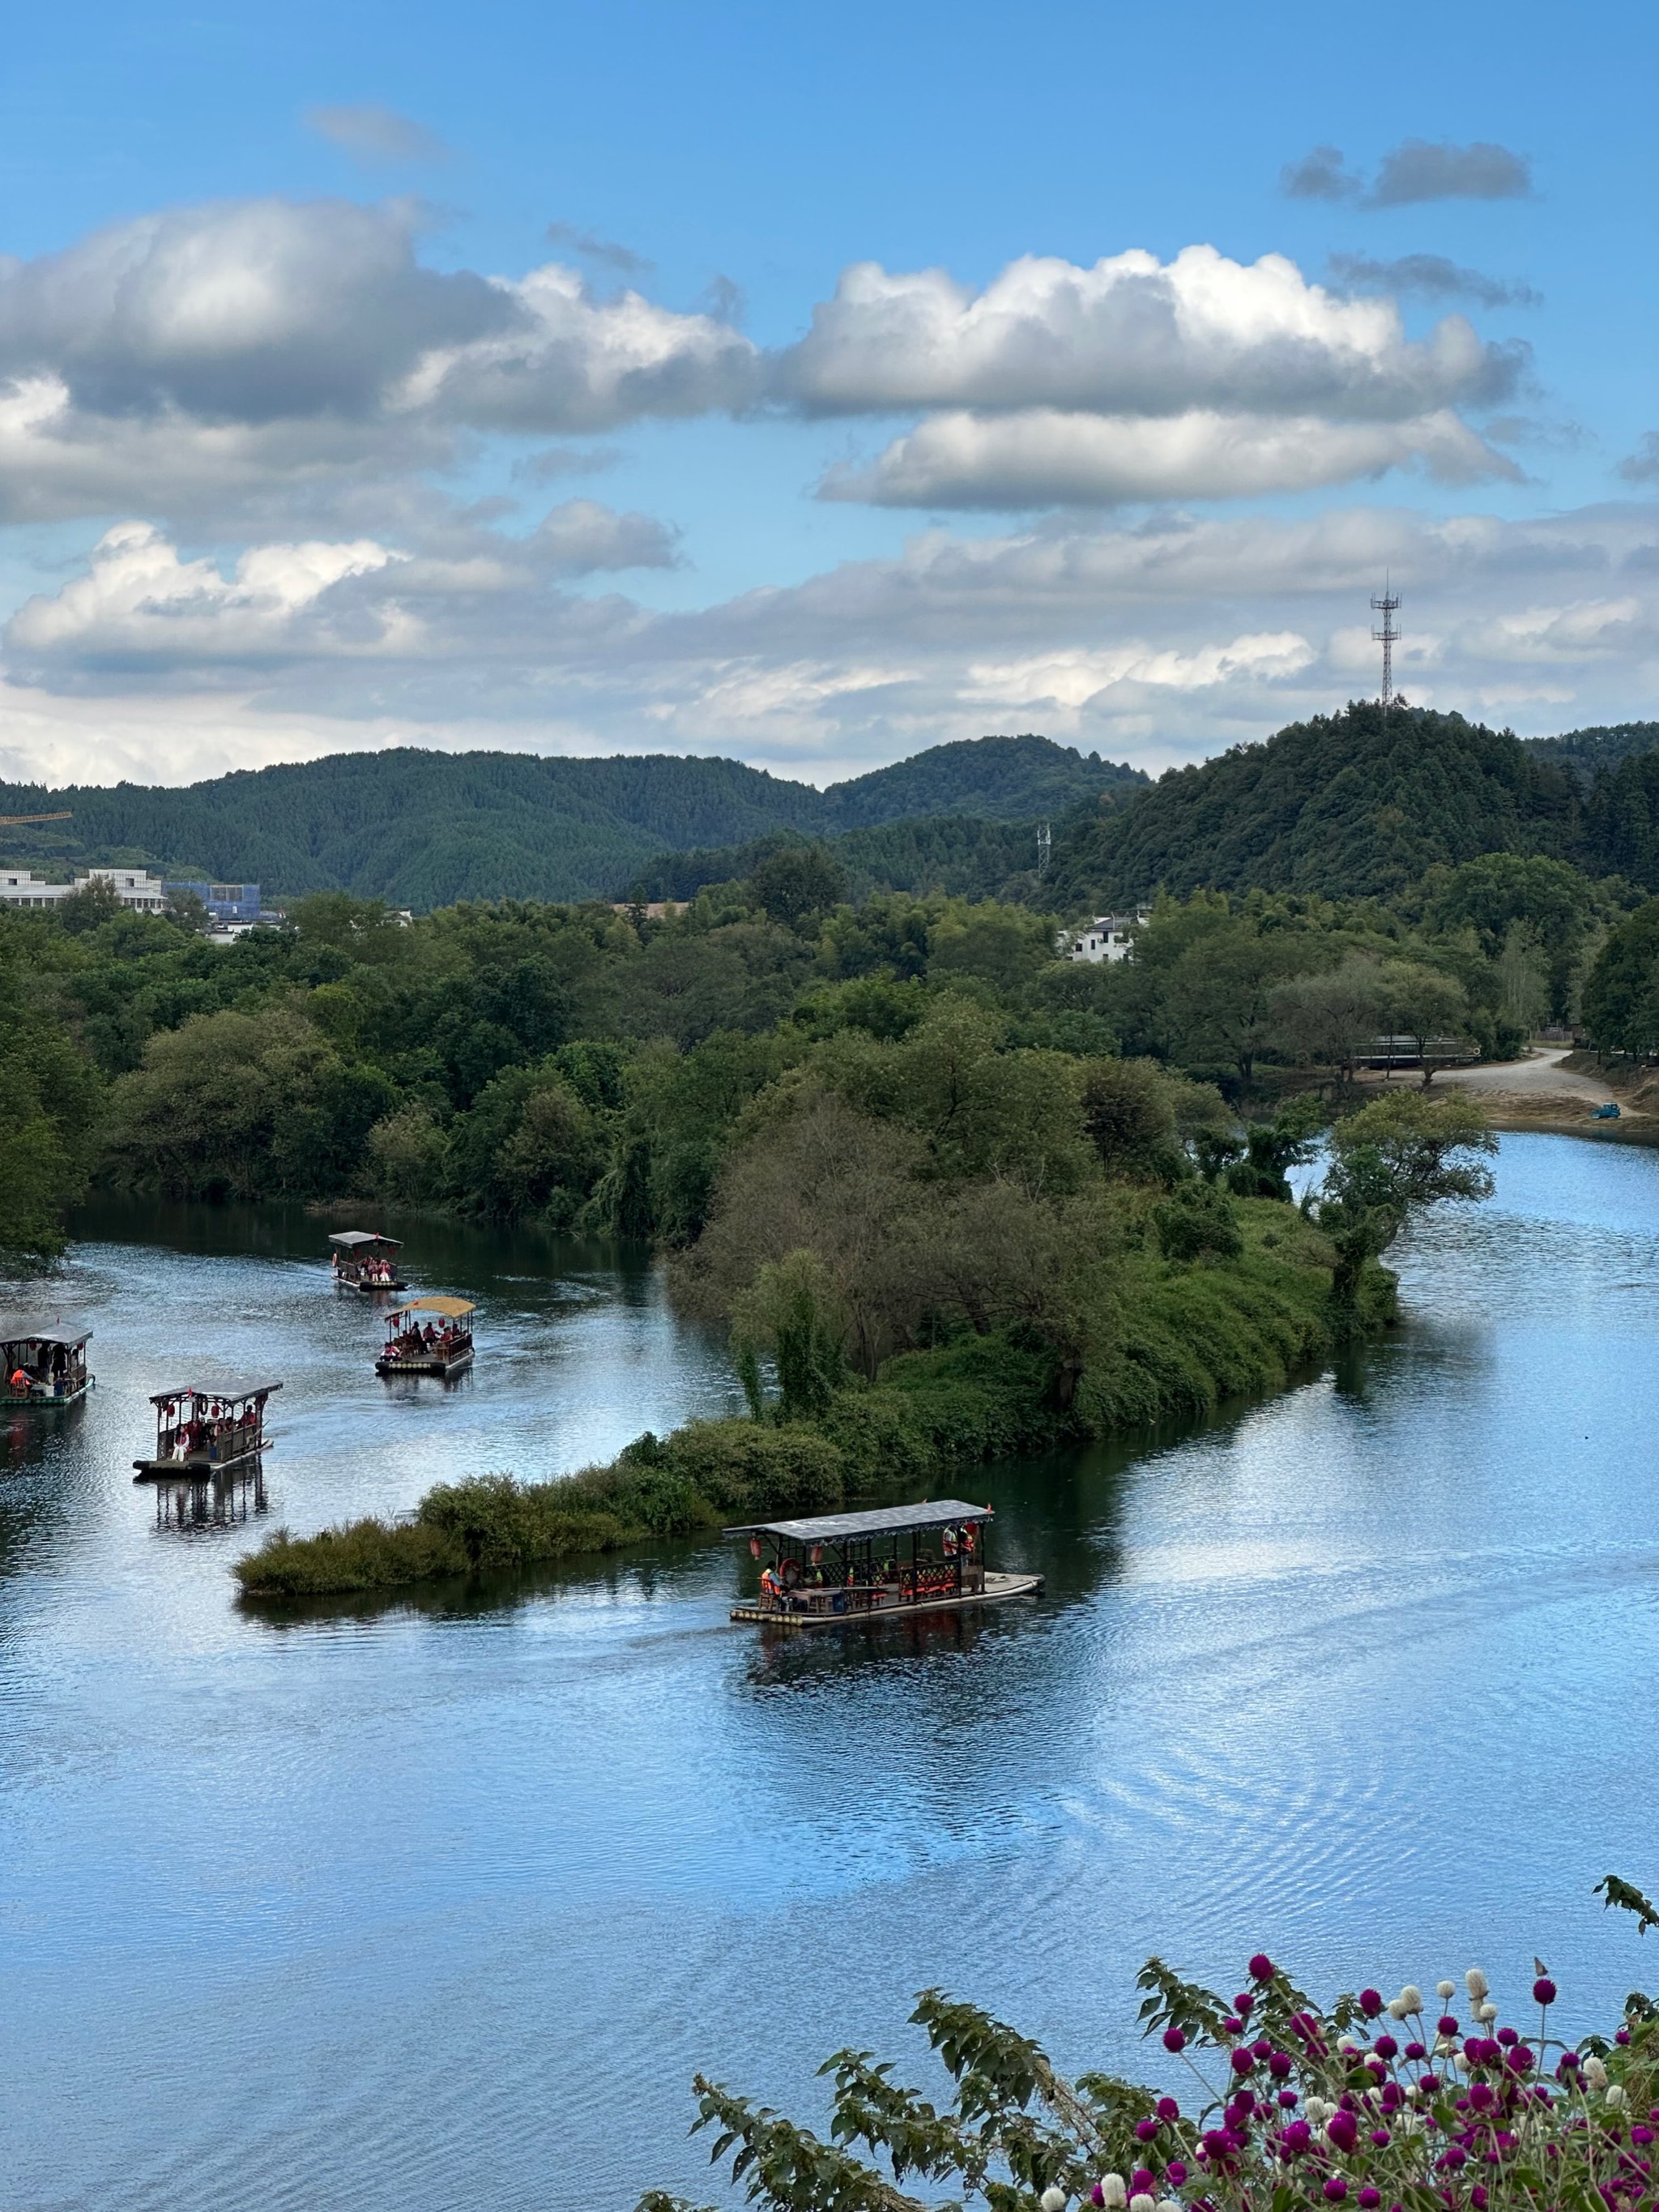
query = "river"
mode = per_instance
[{"x": 437, "y": 1906}]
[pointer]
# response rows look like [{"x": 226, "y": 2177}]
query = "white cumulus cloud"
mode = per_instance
[
  {"x": 1130, "y": 336},
  {"x": 1043, "y": 458},
  {"x": 139, "y": 598}
]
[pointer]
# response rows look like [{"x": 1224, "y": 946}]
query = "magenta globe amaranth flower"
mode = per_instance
[
  {"x": 1370, "y": 2002},
  {"x": 1168, "y": 2109},
  {"x": 1544, "y": 1990},
  {"x": 1370, "y": 2197},
  {"x": 1242, "y": 2060},
  {"x": 1174, "y": 2039},
  {"x": 1341, "y": 2130},
  {"x": 1335, "y": 2189},
  {"x": 1261, "y": 1968}
]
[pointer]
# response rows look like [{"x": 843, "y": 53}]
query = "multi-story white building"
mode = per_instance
[
  {"x": 1106, "y": 937},
  {"x": 144, "y": 894}
]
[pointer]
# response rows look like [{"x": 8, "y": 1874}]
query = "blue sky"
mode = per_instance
[{"x": 302, "y": 456}]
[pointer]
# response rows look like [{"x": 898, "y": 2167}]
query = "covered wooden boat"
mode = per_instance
[
  {"x": 896, "y": 1562},
  {"x": 43, "y": 1363},
  {"x": 429, "y": 1336},
  {"x": 364, "y": 1260},
  {"x": 205, "y": 1429}
]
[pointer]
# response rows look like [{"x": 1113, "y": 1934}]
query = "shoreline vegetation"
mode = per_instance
[{"x": 1193, "y": 1336}]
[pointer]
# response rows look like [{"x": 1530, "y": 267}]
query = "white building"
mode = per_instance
[
  {"x": 1106, "y": 937},
  {"x": 143, "y": 893}
]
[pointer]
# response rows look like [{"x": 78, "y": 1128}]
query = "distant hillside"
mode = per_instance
[
  {"x": 1346, "y": 805},
  {"x": 424, "y": 829},
  {"x": 963, "y": 854},
  {"x": 1593, "y": 752},
  {"x": 996, "y": 778}
]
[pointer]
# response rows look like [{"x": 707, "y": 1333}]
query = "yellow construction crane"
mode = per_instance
[{"x": 16, "y": 821}]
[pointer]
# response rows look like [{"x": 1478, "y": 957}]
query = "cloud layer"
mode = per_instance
[
  {"x": 1042, "y": 457},
  {"x": 189, "y": 362},
  {"x": 1163, "y": 641},
  {"x": 203, "y": 352}
]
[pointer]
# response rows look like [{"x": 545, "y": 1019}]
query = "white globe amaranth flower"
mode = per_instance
[
  {"x": 1445, "y": 1988},
  {"x": 1141, "y": 2202},
  {"x": 1596, "y": 2072},
  {"x": 1053, "y": 2199},
  {"x": 1113, "y": 2191},
  {"x": 1169, "y": 2204},
  {"x": 1616, "y": 2096},
  {"x": 1410, "y": 2000},
  {"x": 1477, "y": 1984},
  {"x": 1485, "y": 2014}
]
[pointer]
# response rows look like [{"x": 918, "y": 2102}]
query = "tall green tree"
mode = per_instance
[{"x": 1396, "y": 1157}]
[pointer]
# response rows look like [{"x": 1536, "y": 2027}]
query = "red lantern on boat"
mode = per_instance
[{"x": 754, "y": 1548}]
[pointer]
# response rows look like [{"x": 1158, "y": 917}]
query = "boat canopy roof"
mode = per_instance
[
  {"x": 226, "y": 1393},
  {"x": 885, "y": 1521},
  {"x": 352, "y": 1240},
  {"x": 24, "y": 1328},
  {"x": 452, "y": 1309}
]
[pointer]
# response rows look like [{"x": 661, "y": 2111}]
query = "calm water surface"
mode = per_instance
[{"x": 439, "y": 1906}]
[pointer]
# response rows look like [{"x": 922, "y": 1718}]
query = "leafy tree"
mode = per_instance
[
  {"x": 186, "y": 910},
  {"x": 795, "y": 882},
  {"x": 1197, "y": 1222},
  {"x": 1399, "y": 1154},
  {"x": 1332, "y": 1016},
  {"x": 1622, "y": 1008},
  {"x": 790, "y": 1310},
  {"x": 1426, "y": 1006},
  {"x": 90, "y": 906},
  {"x": 1271, "y": 1149}
]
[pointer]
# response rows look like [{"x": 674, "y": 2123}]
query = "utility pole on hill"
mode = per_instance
[{"x": 1387, "y": 637}]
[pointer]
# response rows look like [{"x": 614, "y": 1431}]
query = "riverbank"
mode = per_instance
[
  {"x": 1554, "y": 1091},
  {"x": 1184, "y": 1338}
]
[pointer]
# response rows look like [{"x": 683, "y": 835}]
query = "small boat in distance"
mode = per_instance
[
  {"x": 364, "y": 1260},
  {"x": 43, "y": 1363},
  {"x": 898, "y": 1560},
  {"x": 441, "y": 1344},
  {"x": 204, "y": 1429}
]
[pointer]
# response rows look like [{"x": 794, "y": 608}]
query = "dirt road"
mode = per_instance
[{"x": 1541, "y": 1074}]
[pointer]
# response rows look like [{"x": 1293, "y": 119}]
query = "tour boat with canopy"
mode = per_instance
[
  {"x": 895, "y": 1561},
  {"x": 43, "y": 1363},
  {"x": 364, "y": 1260},
  {"x": 205, "y": 1429},
  {"x": 429, "y": 1336}
]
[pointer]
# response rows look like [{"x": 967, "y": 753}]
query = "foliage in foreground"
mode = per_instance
[{"x": 1399, "y": 2105}]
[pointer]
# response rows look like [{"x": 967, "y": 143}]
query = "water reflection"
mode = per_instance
[
  {"x": 195, "y": 1502},
  {"x": 1365, "y": 1673}
]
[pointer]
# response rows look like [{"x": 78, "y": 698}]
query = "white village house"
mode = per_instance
[{"x": 1106, "y": 937}]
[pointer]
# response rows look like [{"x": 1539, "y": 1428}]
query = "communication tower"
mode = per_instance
[
  {"x": 1044, "y": 841},
  {"x": 1387, "y": 637}
]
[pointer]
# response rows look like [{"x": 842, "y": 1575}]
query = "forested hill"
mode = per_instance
[
  {"x": 1353, "y": 805},
  {"x": 424, "y": 829},
  {"x": 1593, "y": 752}
]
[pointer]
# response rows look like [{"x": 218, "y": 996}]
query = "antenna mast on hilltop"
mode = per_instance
[
  {"x": 1387, "y": 637},
  {"x": 1045, "y": 841}
]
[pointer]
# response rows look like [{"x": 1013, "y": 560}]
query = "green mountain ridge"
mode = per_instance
[
  {"x": 422, "y": 828},
  {"x": 1359, "y": 804}
]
